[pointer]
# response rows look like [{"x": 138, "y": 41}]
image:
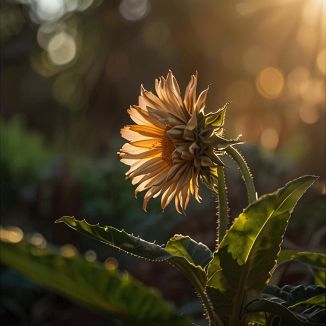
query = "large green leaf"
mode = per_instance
[
  {"x": 89, "y": 283},
  {"x": 181, "y": 251},
  {"x": 315, "y": 261},
  {"x": 318, "y": 300},
  {"x": 289, "y": 305},
  {"x": 118, "y": 239},
  {"x": 276, "y": 308},
  {"x": 248, "y": 252}
]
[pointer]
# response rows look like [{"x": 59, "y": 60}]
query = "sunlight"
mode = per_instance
[
  {"x": 270, "y": 82},
  {"x": 11, "y": 234}
]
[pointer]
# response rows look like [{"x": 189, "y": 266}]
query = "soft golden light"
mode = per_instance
[
  {"x": 321, "y": 60},
  {"x": 298, "y": 80},
  {"x": 315, "y": 92},
  {"x": 38, "y": 240},
  {"x": 240, "y": 92},
  {"x": 306, "y": 37},
  {"x": 309, "y": 115},
  {"x": 269, "y": 138},
  {"x": 270, "y": 82},
  {"x": 11, "y": 234},
  {"x": 62, "y": 48},
  {"x": 255, "y": 58},
  {"x": 68, "y": 251},
  {"x": 111, "y": 263}
]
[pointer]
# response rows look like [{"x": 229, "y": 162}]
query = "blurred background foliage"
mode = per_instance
[{"x": 71, "y": 68}]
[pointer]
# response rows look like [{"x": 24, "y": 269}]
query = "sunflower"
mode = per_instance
[{"x": 173, "y": 145}]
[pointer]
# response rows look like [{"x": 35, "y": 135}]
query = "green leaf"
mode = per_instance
[
  {"x": 318, "y": 300},
  {"x": 183, "y": 246},
  {"x": 257, "y": 318},
  {"x": 300, "y": 304},
  {"x": 118, "y": 239},
  {"x": 221, "y": 143},
  {"x": 89, "y": 283},
  {"x": 181, "y": 251},
  {"x": 216, "y": 119},
  {"x": 248, "y": 252},
  {"x": 315, "y": 261},
  {"x": 276, "y": 308}
]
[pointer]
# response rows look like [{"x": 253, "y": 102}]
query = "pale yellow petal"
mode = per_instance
[
  {"x": 154, "y": 180},
  {"x": 176, "y": 185},
  {"x": 148, "y": 143},
  {"x": 149, "y": 194},
  {"x": 200, "y": 103},
  {"x": 131, "y": 135},
  {"x": 141, "y": 164},
  {"x": 130, "y": 149},
  {"x": 147, "y": 131},
  {"x": 176, "y": 171},
  {"x": 148, "y": 154},
  {"x": 142, "y": 117},
  {"x": 176, "y": 86},
  {"x": 190, "y": 94},
  {"x": 192, "y": 122},
  {"x": 149, "y": 168},
  {"x": 151, "y": 100},
  {"x": 173, "y": 91},
  {"x": 137, "y": 117}
]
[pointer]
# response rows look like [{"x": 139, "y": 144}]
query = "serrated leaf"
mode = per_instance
[
  {"x": 293, "y": 294},
  {"x": 216, "y": 119},
  {"x": 276, "y": 308},
  {"x": 249, "y": 250},
  {"x": 181, "y": 251},
  {"x": 300, "y": 305},
  {"x": 315, "y": 261},
  {"x": 90, "y": 284},
  {"x": 318, "y": 300},
  {"x": 118, "y": 239},
  {"x": 257, "y": 318},
  {"x": 221, "y": 143},
  {"x": 183, "y": 246}
]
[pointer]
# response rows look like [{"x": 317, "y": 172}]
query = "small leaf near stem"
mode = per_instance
[
  {"x": 245, "y": 171},
  {"x": 222, "y": 212}
]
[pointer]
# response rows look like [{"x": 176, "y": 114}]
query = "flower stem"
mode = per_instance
[
  {"x": 212, "y": 316},
  {"x": 245, "y": 171},
  {"x": 222, "y": 209}
]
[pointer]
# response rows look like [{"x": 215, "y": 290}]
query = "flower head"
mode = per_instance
[{"x": 173, "y": 144}]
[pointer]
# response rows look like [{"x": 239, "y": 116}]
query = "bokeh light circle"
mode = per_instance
[
  {"x": 270, "y": 82},
  {"x": 321, "y": 60},
  {"x": 50, "y": 10},
  {"x": 308, "y": 115},
  {"x": 298, "y": 80},
  {"x": 269, "y": 138},
  {"x": 61, "y": 48}
]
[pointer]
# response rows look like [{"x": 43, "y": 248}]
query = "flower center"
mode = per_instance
[{"x": 168, "y": 148}]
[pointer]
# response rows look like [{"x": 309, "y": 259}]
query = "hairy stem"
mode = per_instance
[
  {"x": 213, "y": 318},
  {"x": 245, "y": 171},
  {"x": 222, "y": 208}
]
